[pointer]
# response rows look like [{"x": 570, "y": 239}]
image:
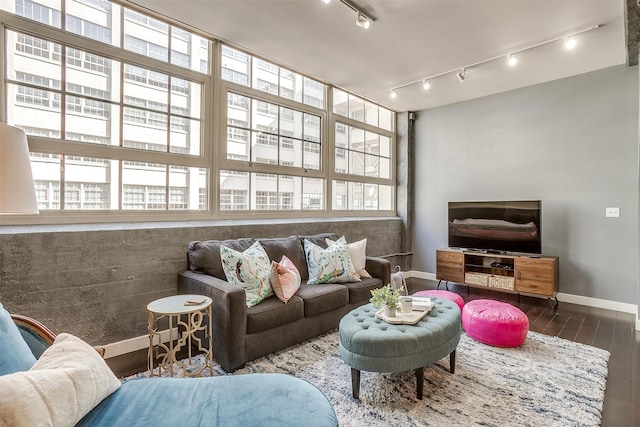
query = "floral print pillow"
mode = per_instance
[
  {"x": 331, "y": 265},
  {"x": 250, "y": 270}
]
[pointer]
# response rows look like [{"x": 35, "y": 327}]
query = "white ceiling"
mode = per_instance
[{"x": 414, "y": 39}]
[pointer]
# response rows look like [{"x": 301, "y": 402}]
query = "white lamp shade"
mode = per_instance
[{"x": 17, "y": 194}]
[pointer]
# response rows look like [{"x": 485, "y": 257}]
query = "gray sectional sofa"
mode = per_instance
[{"x": 241, "y": 334}]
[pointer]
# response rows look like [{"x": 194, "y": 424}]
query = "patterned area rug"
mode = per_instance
[{"x": 547, "y": 381}]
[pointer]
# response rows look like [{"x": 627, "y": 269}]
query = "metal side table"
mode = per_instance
[{"x": 187, "y": 314}]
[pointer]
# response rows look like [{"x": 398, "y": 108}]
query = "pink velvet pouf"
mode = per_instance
[
  {"x": 451, "y": 296},
  {"x": 495, "y": 323}
]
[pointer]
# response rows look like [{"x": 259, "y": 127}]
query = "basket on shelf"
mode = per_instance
[
  {"x": 481, "y": 279},
  {"x": 502, "y": 282}
]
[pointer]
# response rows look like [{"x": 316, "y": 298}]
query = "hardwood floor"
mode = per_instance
[{"x": 611, "y": 330}]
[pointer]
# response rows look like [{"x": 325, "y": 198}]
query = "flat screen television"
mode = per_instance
[{"x": 496, "y": 226}]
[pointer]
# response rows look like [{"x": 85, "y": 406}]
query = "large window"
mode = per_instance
[{"x": 121, "y": 114}]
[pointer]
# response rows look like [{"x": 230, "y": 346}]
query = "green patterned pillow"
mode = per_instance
[
  {"x": 331, "y": 265},
  {"x": 250, "y": 270}
]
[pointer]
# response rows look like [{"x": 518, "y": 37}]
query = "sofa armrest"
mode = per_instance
[
  {"x": 229, "y": 312},
  {"x": 379, "y": 268}
]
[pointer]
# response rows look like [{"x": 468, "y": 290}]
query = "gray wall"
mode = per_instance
[
  {"x": 94, "y": 281},
  {"x": 572, "y": 143}
]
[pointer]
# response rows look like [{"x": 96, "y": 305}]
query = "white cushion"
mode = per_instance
[
  {"x": 64, "y": 385},
  {"x": 250, "y": 270},
  {"x": 357, "y": 252}
]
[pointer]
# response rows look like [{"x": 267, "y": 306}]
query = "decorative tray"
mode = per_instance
[{"x": 403, "y": 318}]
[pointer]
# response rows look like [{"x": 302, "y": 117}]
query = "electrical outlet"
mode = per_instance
[{"x": 612, "y": 212}]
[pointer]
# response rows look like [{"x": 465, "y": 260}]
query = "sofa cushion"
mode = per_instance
[
  {"x": 322, "y": 298},
  {"x": 291, "y": 247},
  {"x": 272, "y": 313},
  {"x": 249, "y": 270},
  {"x": 285, "y": 279},
  {"x": 15, "y": 354},
  {"x": 330, "y": 265},
  {"x": 360, "y": 292},
  {"x": 204, "y": 256},
  {"x": 68, "y": 380}
]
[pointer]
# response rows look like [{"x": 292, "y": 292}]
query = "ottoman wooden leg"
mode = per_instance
[
  {"x": 419, "y": 382},
  {"x": 355, "y": 383},
  {"x": 452, "y": 362}
]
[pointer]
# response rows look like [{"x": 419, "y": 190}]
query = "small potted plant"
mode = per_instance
[{"x": 387, "y": 297}]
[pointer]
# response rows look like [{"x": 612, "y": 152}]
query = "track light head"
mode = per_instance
[
  {"x": 393, "y": 94},
  {"x": 326, "y": 1},
  {"x": 426, "y": 85},
  {"x": 362, "y": 21},
  {"x": 461, "y": 75},
  {"x": 570, "y": 42},
  {"x": 512, "y": 59}
]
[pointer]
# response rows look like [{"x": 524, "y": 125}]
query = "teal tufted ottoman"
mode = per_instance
[{"x": 371, "y": 344}]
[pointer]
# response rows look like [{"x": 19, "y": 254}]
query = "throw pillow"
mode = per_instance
[
  {"x": 15, "y": 354},
  {"x": 250, "y": 270},
  {"x": 357, "y": 252},
  {"x": 331, "y": 265},
  {"x": 64, "y": 385},
  {"x": 285, "y": 279}
]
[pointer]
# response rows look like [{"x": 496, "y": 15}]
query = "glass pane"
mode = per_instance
[
  {"x": 234, "y": 190},
  {"x": 46, "y": 178},
  {"x": 355, "y": 196},
  {"x": 339, "y": 195},
  {"x": 48, "y": 15},
  {"x": 181, "y": 195},
  {"x": 237, "y": 144},
  {"x": 185, "y": 136},
  {"x": 144, "y": 186},
  {"x": 88, "y": 183},
  {"x": 92, "y": 75},
  {"x": 186, "y": 98},
  {"x": 265, "y": 76},
  {"x": 235, "y": 66},
  {"x": 385, "y": 197},
  {"x": 145, "y": 130},
  {"x": 356, "y": 108},
  {"x": 92, "y": 19},
  {"x": 92, "y": 121},
  {"x": 290, "y": 152},
  {"x": 384, "y": 168},
  {"x": 371, "y": 165},
  {"x": 371, "y": 113},
  {"x": 290, "y": 85},
  {"x": 356, "y": 139},
  {"x": 386, "y": 119},
  {"x": 145, "y": 35},
  {"x": 311, "y": 128},
  {"x": 36, "y": 111},
  {"x": 264, "y": 148},
  {"x": 203, "y": 185},
  {"x": 264, "y": 116},
  {"x": 356, "y": 163},
  {"x": 290, "y": 122},
  {"x": 313, "y": 93},
  {"x": 340, "y": 102},
  {"x": 371, "y": 196},
  {"x": 34, "y": 60},
  {"x": 151, "y": 93},
  {"x": 385, "y": 146},
  {"x": 372, "y": 143},
  {"x": 264, "y": 191},
  {"x": 311, "y": 159},
  {"x": 312, "y": 194},
  {"x": 238, "y": 110},
  {"x": 290, "y": 189}
]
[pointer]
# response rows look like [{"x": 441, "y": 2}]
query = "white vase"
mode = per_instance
[{"x": 389, "y": 311}]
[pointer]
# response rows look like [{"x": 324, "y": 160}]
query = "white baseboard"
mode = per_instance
[
  {"x": 570, "y": 298},
  {"x": 134, "y": 344}
]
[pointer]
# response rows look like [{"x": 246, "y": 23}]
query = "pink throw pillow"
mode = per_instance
[{"x": 285, "y": 279}]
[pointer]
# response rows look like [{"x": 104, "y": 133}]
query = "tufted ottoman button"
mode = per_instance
[{"x": 495, "y": 323}]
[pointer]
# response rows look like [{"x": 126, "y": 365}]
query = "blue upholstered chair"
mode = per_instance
[{"x": 236, "y": 400}]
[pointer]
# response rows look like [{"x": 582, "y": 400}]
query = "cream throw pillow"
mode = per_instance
[
  {"x": 64, "y": 385},
  {"x": 357, "y": 252}
]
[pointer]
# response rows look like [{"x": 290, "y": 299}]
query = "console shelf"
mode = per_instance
[{"x": 516, "y": 274}]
